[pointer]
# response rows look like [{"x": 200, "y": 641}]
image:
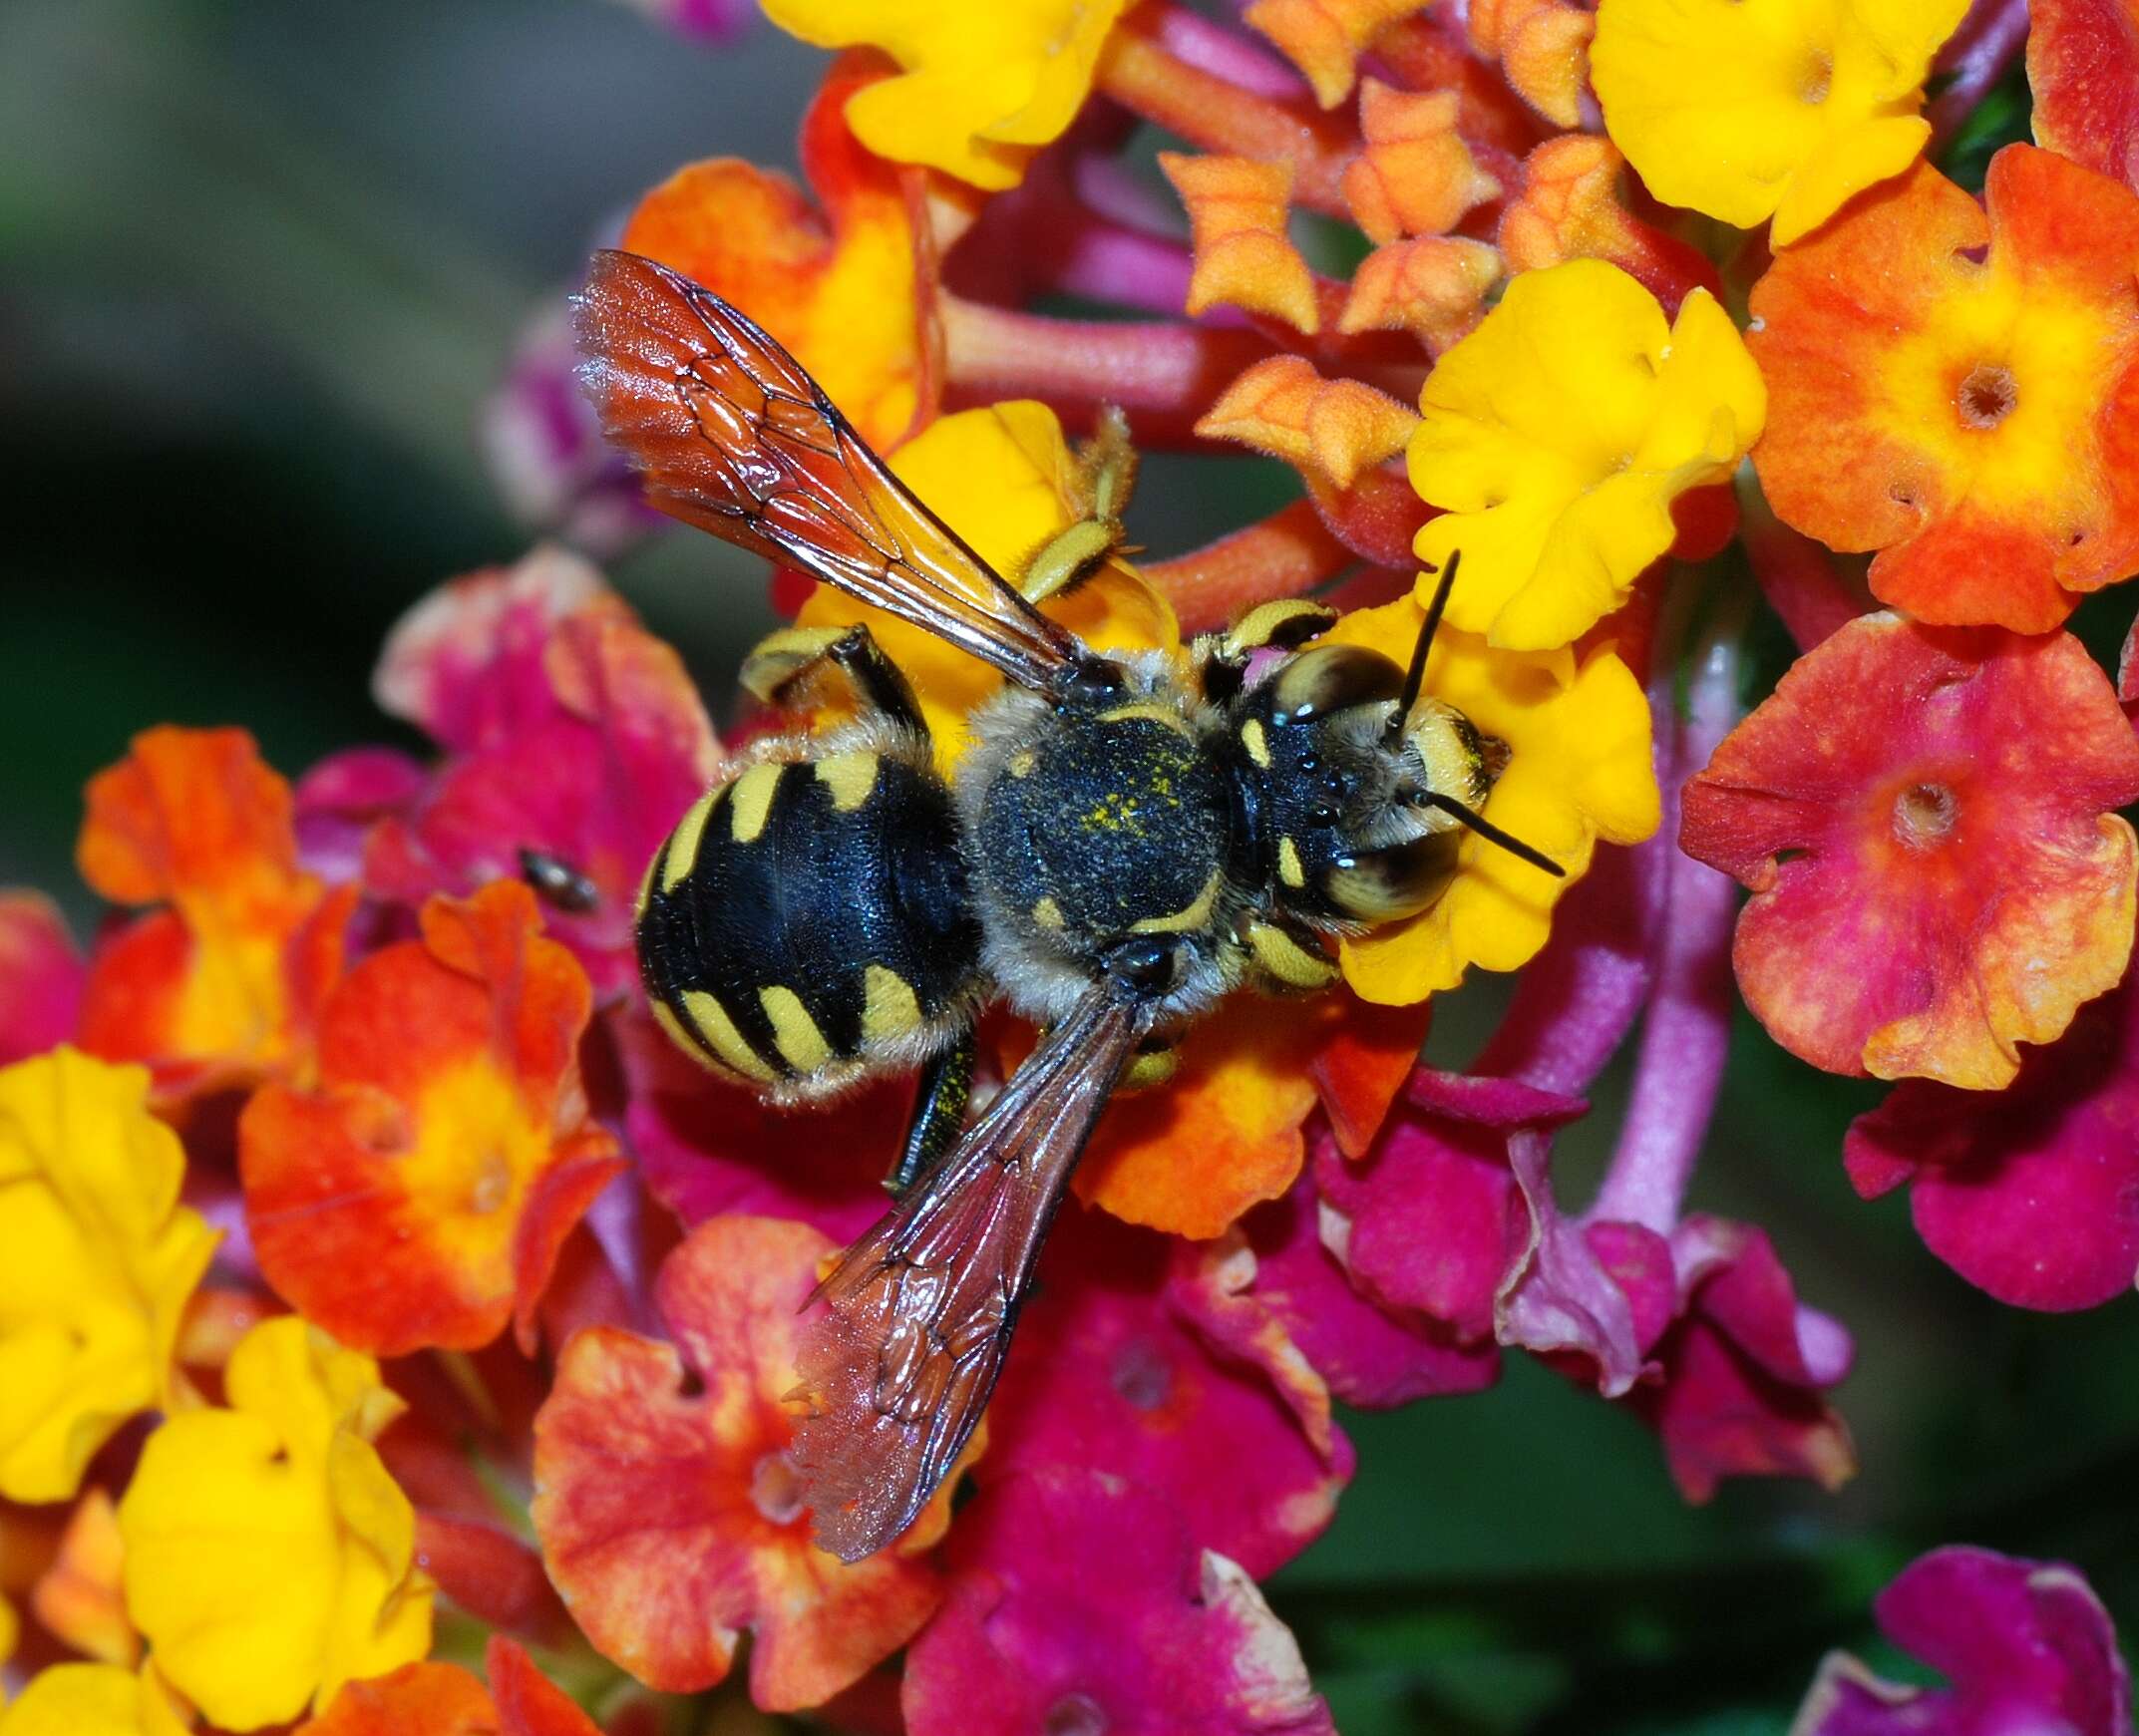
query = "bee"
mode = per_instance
[{"x": 1126, "y": 841}]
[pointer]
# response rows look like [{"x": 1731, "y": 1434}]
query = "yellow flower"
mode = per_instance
[
  {"x": 1556, "y": 435},
  {"x": 97, "y": 1260},
  {"x": 1751, "y": 109},
  {"x": 1004, "y": 479},
  {"x": 985, "y": 83},
  {"x": 1579, "y": 770},
  {"x": 94, "y": 1699},
  {"x": 269, "y": 1553}
]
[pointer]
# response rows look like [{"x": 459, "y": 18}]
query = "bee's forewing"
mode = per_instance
[
  {"x": 733, "y": 436},
  {"x": 898, "y": 1369}
]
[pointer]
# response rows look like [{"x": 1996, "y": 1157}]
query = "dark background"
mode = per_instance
[{"x": 264, "y": 261}]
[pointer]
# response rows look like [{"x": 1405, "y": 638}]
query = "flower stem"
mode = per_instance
[
  {"x": 1685, "y": 1039},
  {"x": 1285, "y": 555},
  {"x": 1169, "y": 371},
  {"x": 1796, "y": 574}
]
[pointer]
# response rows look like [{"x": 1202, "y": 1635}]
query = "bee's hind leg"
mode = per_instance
[
  {"x": 1106, "y": 472},
  {"x": 783, "y": 665},
  {"x": 945, "y": 1087}
]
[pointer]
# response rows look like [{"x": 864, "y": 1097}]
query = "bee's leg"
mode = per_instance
[
  {"x": 947, "y": 1086},
  {"x": 1156, "y": 1060},
  {"x": 781, "y": 667},
  {"x": 1220, "y": 660},
  {"x": 1286, "y": 958},
  {"x": 1106, "y": 472}
]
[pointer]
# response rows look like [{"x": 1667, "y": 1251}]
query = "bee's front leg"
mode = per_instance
[
  {"x": 1106, "y": 472},
  {"x": 1220, "y": 660},
  {"x": 783, "y": 664}
]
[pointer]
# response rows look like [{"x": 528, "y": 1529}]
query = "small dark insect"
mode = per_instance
[
  {"x": 557, "y": 883},
  {"x": 1126, "y": 843}
]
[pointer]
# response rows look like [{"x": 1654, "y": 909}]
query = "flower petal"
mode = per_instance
[
  {"x": 100, "y": 1259},
  {"x": 2083, "y": 72},
  {"x": 982, "y": 85},
  {"x": 670, "y": 1522},
  {"x": 419, "y": 1194},
  {"x": 2025, "y": 1646},
  {"x": 1072, "y": 1607},
  {"x": 1748, "y": 112},
  {"x": 1556, "y": 514},
  {"x": 1924, "y": 899},
  {"x": 40, "y": 977},
  {"x": 268, "y": 1553},
  {"x": 2032, "y": 1194},
  {"x": 1923, "y": 402}
]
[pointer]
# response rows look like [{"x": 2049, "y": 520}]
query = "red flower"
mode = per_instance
[
  {"x": 670, "y": 1520},
  {"x": 1923, "y": 818}
]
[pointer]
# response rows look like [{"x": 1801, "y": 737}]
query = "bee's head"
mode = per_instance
[{"x": 1367, "y": 788}]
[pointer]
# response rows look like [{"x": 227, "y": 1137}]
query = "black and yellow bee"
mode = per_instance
[{"x": 1126, "y": 843}]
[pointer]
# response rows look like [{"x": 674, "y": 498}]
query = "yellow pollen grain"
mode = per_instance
[
  {"x": 888, "y": 1005},
  {"x": 850, "y": 778},
  {"x": 683, "y": 841},
  {"x": 750, "y": 800},
  {"x": 1048, "y": 913},
  {"x": 794, "y": 1034},
  {"x": 1256, "y": 742},
  {"x": 711, "y": 1028},
  {"x": 1023, "y": 762},
  {"x": 1288, "y": 866},
  {"x": 1195, "y": 916}
]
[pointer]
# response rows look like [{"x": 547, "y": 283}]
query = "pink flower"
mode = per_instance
[
  {"x": 2031, "y": 1193},
  {"x": 1079, "y": 1604},
  {"x": 2026, "y": 1646}
]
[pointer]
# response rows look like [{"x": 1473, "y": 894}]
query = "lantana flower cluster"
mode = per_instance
[{"x": 380, "y": 1286}]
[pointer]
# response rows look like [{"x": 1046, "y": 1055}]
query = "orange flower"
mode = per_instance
[
  {"x": 1225, "y": 1133},
  {"x": 419, "y": 1196},
  {"x": 670, "y": 1518},
  {"x": 1926, "y": 400},
  {"x": 443, "y": 1699},
  {"x": 1330, "y": 429},
  {"x": 1243, "y": 258},
  {"x": 223, "y": 981},
  {"x": 847, "y": 289}
]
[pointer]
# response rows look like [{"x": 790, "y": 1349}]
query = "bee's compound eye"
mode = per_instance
[
  {"x": 1148, "y": 964},
  {"x": 1384, "y": 886},
  {"x": 1331, "y": 678}
]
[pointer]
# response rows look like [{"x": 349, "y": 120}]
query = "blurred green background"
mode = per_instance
[{"x": 262, "y": 263}]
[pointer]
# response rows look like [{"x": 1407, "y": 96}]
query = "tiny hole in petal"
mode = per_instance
[
  {"x": 1924, "y": 815},
  {"x": 1988, "y": 395},
  {"x": 776, "y": 1489},
  {"x": 1975, "y": 255},
  {"x": 1142, "y": 1375},
  {"x": 1075, "y": 1715}
]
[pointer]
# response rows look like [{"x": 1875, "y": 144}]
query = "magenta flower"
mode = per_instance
[
  {"x": 2026, "y": 1647},
  {"x": 2031, "y": 1195}
]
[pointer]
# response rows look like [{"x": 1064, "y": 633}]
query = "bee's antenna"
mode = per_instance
[
  {"x": 1415, "y": 676},
  {"x": 1492, "y": 833}
]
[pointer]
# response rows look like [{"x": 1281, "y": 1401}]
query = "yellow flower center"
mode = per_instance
[{"x": 476, "y": 1146}]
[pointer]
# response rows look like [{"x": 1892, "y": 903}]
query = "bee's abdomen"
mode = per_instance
[{"x": 811, "y": 920}]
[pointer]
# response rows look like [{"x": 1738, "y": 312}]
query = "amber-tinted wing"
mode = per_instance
[
  {"x": 731, "y": 435},
  {"x": 898, "y": 1368}
]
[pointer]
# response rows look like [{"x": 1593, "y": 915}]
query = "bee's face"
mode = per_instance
[{"x": 1351, "y": 840}]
